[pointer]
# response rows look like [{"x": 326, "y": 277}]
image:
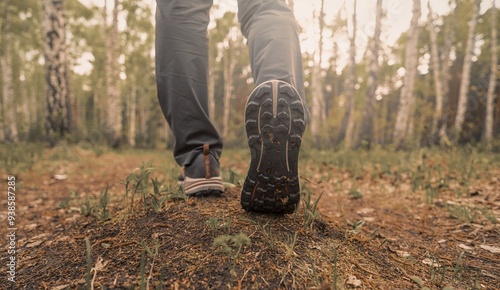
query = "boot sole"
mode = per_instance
[
  {"x": 274, "y": 122},
  {"x": 202, "y": 186}
]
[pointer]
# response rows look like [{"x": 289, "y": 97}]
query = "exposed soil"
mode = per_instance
[{"x": 374, "y": 231}]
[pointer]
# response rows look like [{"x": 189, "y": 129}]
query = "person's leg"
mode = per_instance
[
  {"x": 272, "y": 33},
  {"x": 275, "y": 110},
  {"x": 182, "y": 83},
  {"x": 182, "y": 76}
]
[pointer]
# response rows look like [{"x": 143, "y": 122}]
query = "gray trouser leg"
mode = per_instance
[
  {"x": 182, "y": 75},
  {"x": 272, "y": 33},
  {"x": 182, "y": 63}
]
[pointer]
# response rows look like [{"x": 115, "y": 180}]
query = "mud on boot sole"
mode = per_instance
[{"x": 274, "y": 122}]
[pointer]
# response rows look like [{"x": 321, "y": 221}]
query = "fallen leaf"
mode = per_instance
[
  {"x": 430, "y": 262},
  {"x": 365, "y": 211},
  {"x": 495, "y": 250},
  {"x": 60, "y": 287},
  {"x": 403, "y": 254},
  {"x": 38, "y": 237},
  {"x": 465, "y": 247},
  {"x": 228, "y": 185},
  {"x": 60, "y": 177},
  {"x": 34, "y": 244},
  {"x": 353, "y": 281},
  {"x": 30, "y": 226},
  {"x": 99, "y": 265}
]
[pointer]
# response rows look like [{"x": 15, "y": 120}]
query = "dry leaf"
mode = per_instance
[
  {"x": 495, "y": 250},
  {"x": 34, "y": 244},
  {"x": 403, "y": 254},
  {"x": 365, "y": 211},
  {"x": 465, "y": 247},
  {"x": 30, "y": 226},
  {"x": 60, "y": 287},
  {"x": 60, "y": 176},
  {"x": 99, "y": 265},
  {"x": 353, "y": 281},
  {"x": 430, "y": 262}
]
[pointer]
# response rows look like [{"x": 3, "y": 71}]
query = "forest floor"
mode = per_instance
[{"x": 103, "y": 219}]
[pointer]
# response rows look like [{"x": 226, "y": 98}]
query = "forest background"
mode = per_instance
[{"x": 83, "y": 72}]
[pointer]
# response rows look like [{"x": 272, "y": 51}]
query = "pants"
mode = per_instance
[{"x": 182, "y": 63}]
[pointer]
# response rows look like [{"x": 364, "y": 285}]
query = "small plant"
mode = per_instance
[
  {"x": 311, "y": 213},
  {"x": 355, "y": 227},
  {"x": 290, "y": 244},
  {"x": 354, "y": 194},
  {"x": 335, "y": 271},
  {"x": 66, "y": 202},
  {"x": 152, "y": 251},
  {"x": 213, "y": 224},
  {"x": 88, "y": 272},
  {"x": 226, "y": 224},
  {"x": 231, "y": 246},
  {"x": 458, "y": 268},
  {"x": 87, "y": 209},
  {"x": 137, "y": 182},
  {"x": 232, "y": 176},
  {"x": 269, "y": 235},
  {"x": 463, "y": 212},
  {"x": 157, "y": 199},
  {"x": 430, "y": 194},
  {"x": 103, "y": 203},
  {"x": 488, "y": 214}
]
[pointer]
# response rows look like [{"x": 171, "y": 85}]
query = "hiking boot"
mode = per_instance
[
  {"x": 274, "y": 122},
  {"x": 201, "y": 176}
]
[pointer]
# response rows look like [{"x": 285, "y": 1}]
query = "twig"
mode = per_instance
[{"x": 150, "y": 272}]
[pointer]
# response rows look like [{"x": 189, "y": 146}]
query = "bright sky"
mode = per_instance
[{"x": 396, "y": 21}]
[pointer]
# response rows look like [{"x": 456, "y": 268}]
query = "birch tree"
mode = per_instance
[
  {"x": 348, "y": 121},
  {"x": 132, "y": 114},
  {"x": 437, "y": 75},
  {"x": 9, "y": 110},
  {"x": 229, "y": 65},
  {"x": 114, "y": 112},
  {"x": 368, "y": 112},
  {"x": 317, "y": 115},
  {"x": 466, "y": 69},
  {"x": 58, "y": 118},
  {"x": 449, "y": 31},
  {"x": 488, "y": 134},
  {"x": 407, "y": 98}
]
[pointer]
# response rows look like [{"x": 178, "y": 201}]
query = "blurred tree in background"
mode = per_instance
[{"x": 89, "y": 77}]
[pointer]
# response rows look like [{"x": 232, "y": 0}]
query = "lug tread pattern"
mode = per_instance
[{"x": 272, "y": 183}]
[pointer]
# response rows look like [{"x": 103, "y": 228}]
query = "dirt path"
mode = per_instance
[{"x": 374, "y": 232}]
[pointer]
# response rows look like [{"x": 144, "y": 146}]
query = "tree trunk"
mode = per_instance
[
  {"x": 488, "y": 134},
  {"x": 438, "y": 80},
  {"x": 450, "y": 30},
  {"x": 58, "y": 118},
  {"x": 114, "y": 112},
  {"x": 348, "y": 120},
  {"x": 9, "y": 109},
  {"x": 407, "y": 99},
  {"x": 368, "y": 112},
  {"x": 132, "y": 114},
  {"x": 229, "y": 64},
  {"x": 317, "y": 115},
  {"x": 466, "y": 69}
]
